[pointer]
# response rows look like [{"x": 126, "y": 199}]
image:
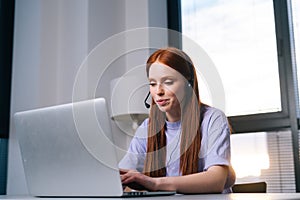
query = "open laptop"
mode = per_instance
[{"x": 67, "y": 150}]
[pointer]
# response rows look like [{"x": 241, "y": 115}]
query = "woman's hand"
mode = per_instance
[
  {"x": 138, "y": 181},
  {"x": 211, "y": 181}
]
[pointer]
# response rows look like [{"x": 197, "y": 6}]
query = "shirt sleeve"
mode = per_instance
[
  {"x": 215, "y": 147},
  {"x": 215, "y": 140},
  {"x": 136, "y": 153}
]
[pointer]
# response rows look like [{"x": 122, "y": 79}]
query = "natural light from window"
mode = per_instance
[
  {"x": 239, "y": 37},
  {"x": 249, "y": 154}
]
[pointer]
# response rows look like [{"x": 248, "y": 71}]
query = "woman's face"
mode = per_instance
[{"x": 167, "y": 88}]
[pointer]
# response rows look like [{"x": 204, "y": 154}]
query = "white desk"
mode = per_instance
[{"x": 233, "y": 196}]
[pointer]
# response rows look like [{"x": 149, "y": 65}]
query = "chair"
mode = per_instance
[{"x": 257, "y": 187}]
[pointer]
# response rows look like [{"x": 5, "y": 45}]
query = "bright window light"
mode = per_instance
[
  {"x": 249, "y": 154},
  {"x": 239, "y": 37}
]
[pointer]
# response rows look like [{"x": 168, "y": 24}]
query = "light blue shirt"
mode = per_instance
[{"x": 215, "y": 146}]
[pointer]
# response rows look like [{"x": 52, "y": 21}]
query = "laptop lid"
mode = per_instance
[{"x": 67, "y": 150}]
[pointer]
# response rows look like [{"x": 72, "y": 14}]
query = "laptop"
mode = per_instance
[{"x": 68, "y": 151}]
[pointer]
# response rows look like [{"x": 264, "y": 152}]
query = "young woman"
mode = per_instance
[{"x": 184, "y": 145}]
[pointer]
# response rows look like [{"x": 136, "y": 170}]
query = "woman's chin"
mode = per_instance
[{"x": 165, "y": 108}]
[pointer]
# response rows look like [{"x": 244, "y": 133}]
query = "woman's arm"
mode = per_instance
[{"x": 210, "y": 181}]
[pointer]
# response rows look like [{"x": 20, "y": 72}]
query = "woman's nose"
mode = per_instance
[{"x": 159, "y": 89}]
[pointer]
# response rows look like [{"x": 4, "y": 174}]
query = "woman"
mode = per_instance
[{"x": 184, "y": 145}]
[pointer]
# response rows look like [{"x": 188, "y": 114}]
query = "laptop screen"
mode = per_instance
[{"x": 67, "y": 150}]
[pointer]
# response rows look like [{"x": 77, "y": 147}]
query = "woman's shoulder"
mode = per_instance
[
  {"x": 214, "y": 121},
  {"x": 211, "y": 111},
  {"x": 145, "y": 123},
  {"x": 142, "y": 130},
  {"x": 211, "y": 114}
]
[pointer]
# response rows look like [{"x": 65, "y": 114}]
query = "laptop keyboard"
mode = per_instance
[{"x": 134, "y": 193}]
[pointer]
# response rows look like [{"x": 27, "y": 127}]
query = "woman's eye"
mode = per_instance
[
  {"x": 152, "y": 84},
  {"x": 168, "y": 82}
]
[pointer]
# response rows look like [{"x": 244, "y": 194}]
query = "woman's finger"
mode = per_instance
[{"x": 123, "y": 171}]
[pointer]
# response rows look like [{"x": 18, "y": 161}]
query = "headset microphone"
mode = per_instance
[{"x": 145, "y": 101}]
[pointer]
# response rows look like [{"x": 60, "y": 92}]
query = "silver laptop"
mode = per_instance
[{"x": 67, "y": 150}]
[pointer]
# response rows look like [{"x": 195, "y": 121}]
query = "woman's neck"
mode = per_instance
[{"x": 173, "y": 117}]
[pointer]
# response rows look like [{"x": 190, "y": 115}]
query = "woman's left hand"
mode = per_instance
[{"x": 137, "y": 181}]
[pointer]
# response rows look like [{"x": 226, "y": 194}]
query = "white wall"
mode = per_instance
[{"x": 52, "y": 39}]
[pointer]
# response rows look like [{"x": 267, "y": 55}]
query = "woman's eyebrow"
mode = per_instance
[
  {"x": 163, "y": 78},
  {"x": 151, "y": 79}
]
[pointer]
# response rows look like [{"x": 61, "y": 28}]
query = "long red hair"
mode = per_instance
[{"x": 155, "y": 162}]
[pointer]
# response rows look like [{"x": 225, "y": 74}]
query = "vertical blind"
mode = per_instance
[
  {"x": 264, "y": 156},
  {"x": 280, "y": 176}
]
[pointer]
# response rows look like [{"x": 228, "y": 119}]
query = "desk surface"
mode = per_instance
[{"x": 233, "y": 196}]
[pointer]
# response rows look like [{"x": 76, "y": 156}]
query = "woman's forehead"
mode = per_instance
[{"x": 158, "y": 69}]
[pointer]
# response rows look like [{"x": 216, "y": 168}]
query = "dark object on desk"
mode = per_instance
[{"x": 257, "y": 187}]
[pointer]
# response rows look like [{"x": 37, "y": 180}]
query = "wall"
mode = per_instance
[
  {"x": 3, "y": 164},
  {"x": 51, "y": 40}
]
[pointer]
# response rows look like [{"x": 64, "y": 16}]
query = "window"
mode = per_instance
[
  {"x": 240, "y": 38},
  {"x": 264, "y": 156}
]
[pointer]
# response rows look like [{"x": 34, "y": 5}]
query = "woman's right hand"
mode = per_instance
[{"x": 136, "y": 180}]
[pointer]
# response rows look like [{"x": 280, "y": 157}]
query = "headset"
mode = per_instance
[{"x": 190, "y": 84}]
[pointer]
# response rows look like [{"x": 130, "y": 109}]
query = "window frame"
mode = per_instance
[{"x": 288, "y": 117}]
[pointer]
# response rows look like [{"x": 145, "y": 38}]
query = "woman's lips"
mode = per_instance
[{"x": 162, "y": 102}]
